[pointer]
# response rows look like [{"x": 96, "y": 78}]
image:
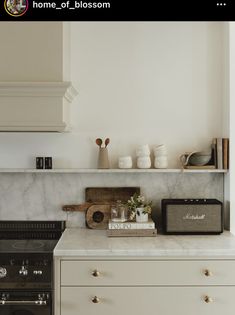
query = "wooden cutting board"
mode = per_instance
[
  {"x": 98, "y": 204},
  {"x": 110, "y": 194},
  {"x": 98, "y": 215}
]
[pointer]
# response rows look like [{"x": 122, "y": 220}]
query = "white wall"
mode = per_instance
[
  {"x": 138, "y": 83},
  {"x": 226, "y": 117},
  {"x": 232, "y": 125}
]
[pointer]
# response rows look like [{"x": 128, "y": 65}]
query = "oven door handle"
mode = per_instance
[{"x": 22, "y": 302}]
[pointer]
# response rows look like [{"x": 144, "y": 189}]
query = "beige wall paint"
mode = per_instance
[{"x": 31, "y": 51}]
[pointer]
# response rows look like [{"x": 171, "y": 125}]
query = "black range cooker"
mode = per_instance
[{"x": 26, "y": 266}]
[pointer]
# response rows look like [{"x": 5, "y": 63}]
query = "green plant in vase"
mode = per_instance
[{"x": 139, "y": 208}]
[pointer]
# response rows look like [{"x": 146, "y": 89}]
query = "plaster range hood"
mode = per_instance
[{"x": 35, "y": 106}]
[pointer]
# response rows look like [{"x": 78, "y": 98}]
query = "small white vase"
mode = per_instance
[{"x": 141, "y": 216}]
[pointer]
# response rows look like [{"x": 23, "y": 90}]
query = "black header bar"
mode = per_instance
[{"x": 117, "y": 10}]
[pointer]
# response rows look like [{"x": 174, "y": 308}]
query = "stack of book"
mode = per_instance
[
  {"x": 220, "y": 147},
  {"x": 131, "y": 228}
]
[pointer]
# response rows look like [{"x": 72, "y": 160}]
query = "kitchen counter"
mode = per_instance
[{"x": 77, "y": 242}]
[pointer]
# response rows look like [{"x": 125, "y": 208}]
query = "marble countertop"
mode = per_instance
[{"x": 77, "y": 242}]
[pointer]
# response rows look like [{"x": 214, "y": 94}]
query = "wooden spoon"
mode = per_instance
[
  {"x": 106, "y": 142},
  {"x": 99, "y": 142}
]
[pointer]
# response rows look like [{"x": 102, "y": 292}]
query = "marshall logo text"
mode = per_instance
[{"x": 190, "y": 216}]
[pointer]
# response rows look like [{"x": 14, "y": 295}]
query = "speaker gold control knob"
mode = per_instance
[
  {"x": 95, "y": 273},
  {"x": 95, "y": 299},
  {"x": 208, "y": 299},
  {"x": 208, "y": 273}
]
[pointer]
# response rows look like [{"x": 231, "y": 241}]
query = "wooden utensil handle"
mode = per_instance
[{"x": 82, "y": 207}]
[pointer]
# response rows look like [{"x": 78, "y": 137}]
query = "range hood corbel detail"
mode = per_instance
[{"x": 35, "y": 106}]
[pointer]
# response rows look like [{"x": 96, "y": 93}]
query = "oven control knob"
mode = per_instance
[
  {"x": 37, "y": 272},
  {"x": 23, "y": 271},
  {"x": 3, "y": 272}
]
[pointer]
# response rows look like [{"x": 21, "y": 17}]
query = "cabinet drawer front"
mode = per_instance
[
  {"x": 136, "y": 273},
  {"x": 139, "y": 301}
]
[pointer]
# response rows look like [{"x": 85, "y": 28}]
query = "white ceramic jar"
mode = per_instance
[
  {"x": 161, "y": 162},
  {"x": 125, "y": 162},
  {"x": 143, "y": 162},
  {"x": 160, "y": 150},
  {"x": 143, "y": 150}
]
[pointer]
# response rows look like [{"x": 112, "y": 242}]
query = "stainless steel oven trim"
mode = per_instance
[{"x": 37, "y": 302}]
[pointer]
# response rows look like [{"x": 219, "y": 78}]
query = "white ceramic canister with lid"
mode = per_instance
[
  {"x": 160, "y": 150},
  {"x": 125, "y": 162},
  {"x": 161, "y": 162},
  {"x": 143, "y": 162},
  {"x": 143, "y": 150}
]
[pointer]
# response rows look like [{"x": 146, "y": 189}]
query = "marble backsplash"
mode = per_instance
[{"x": 30, "y": 196}]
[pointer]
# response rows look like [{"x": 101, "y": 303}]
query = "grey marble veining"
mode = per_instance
[
  {"x": 85, "y": 242},
  {"x": 36, "y": 196}
]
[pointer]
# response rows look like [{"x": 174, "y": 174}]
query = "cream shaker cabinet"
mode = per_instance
[
  {"x": 142, "y": 300},
  {"x": 180, "y": 287}
]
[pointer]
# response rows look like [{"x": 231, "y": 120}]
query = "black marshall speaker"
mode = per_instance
[{"x": 192, "y": 216}]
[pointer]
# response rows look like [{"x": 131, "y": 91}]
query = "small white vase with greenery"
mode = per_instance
[{"x": 139, "y": 208}]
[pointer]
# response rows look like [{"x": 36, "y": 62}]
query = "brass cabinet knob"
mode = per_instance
[
  {"x": 95, "y": 299},
  {"x": 208, "y": 299},
  {"x": 95, "y": 273},
  {"x": 208, "y": 273}
]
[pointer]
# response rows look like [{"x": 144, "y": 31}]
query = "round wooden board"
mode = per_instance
[{"x": 97, "y": 216}]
